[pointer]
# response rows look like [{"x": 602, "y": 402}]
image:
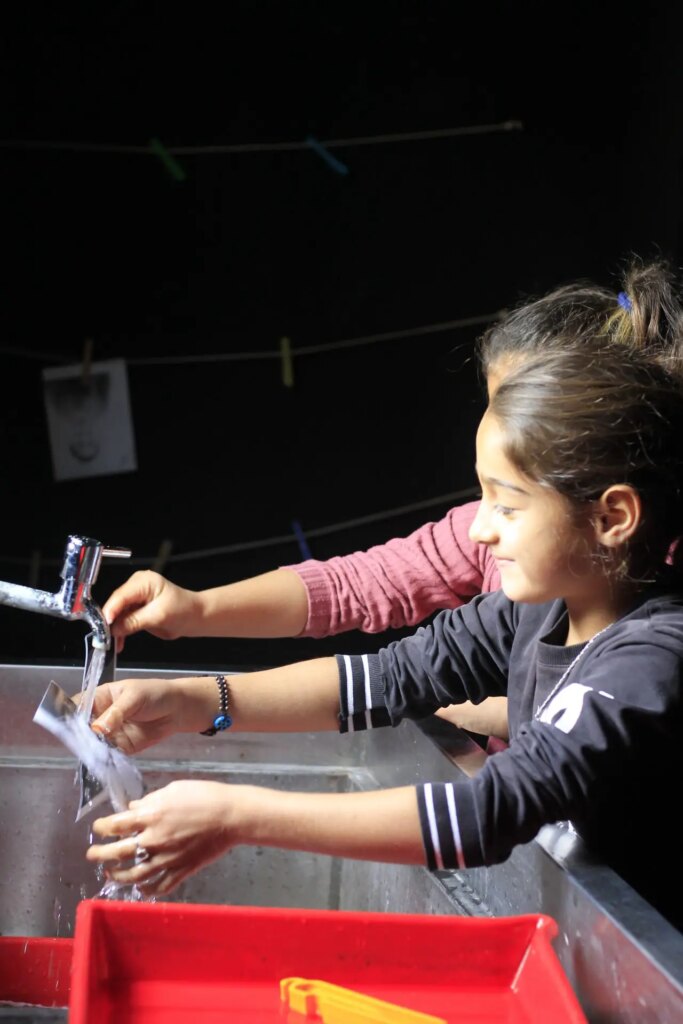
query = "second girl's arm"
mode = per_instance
[
  {"x": 274, "y": 604},
  {"x": 401, "y": 582},
  {"x": 391, "y": 585}
]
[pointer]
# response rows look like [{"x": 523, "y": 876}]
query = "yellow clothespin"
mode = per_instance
[
  {"x": 34, "y": 569},
  {"x": 333, "y": 1004},
  {"x": 87, "y": 360},
  {"x": 287, "y": 364},
  {"x": 165, "y": 549}
]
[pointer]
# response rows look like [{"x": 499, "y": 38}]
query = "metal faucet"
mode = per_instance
[{"x": 73, "y": 600}]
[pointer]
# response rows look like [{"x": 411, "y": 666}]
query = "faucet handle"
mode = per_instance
[{"x": 116, "y": 552}]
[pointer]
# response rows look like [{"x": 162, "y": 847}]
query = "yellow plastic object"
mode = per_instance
[{"x": 332, "y": 1004}]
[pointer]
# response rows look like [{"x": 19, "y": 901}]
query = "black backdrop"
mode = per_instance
[{"x": 254, "y": 246}]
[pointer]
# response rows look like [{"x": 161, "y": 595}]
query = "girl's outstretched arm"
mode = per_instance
[
  {"x": 177, "y": 830},
  {"x": 137, "y": 713}
]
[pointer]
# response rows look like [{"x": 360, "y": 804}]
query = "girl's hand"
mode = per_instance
[
  {"x": 169, "y": 834},
  {"x": 137, "y": 713},
  {"x": 489, "y": 718},
  {"x": 151, "y": 602}
]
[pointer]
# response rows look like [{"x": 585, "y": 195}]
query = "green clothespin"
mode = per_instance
[{"x": 169, "y": 162}]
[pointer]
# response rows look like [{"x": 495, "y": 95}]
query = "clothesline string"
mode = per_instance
[
  {"x": 306, "y": 350},
  {"x": 227, "y": 357},
  {"x": 453, "y": 498},
  {"x": 266, "y": 147}
]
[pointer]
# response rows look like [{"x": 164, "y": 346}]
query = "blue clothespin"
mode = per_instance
[
  {"x": 300, "y": 536},
  {"x": 325, "y": 155}
]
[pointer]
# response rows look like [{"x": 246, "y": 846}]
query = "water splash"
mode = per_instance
[
  {"x": 57, "y": 918},
  {"x": 125, "y": 893}
]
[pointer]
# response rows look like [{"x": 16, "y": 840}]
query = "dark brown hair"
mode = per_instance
[
  {"x": 644, "y": 312},
  {"x": 578, "y": 420}
]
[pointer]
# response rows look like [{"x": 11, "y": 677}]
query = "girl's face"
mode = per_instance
[{"x": 540, "y": 551}]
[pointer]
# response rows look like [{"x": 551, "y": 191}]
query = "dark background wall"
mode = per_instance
[{"x": 254, "y": 246}]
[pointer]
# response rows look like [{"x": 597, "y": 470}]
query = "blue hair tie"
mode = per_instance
[{"x": 624, "y": 301}]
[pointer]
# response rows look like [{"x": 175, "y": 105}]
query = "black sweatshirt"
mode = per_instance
[{"x": 603, "y": 749}]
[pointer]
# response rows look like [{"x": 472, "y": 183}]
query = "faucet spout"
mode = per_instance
[
  {"x": 73, "y": 600},
  {"x": 92, "y": 614}
]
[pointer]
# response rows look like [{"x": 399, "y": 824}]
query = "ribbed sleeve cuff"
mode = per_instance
[
  {"x": 361, "y": 693},
  {"x": 319, "y": 594},
  {"x": 448, "y": 822}
]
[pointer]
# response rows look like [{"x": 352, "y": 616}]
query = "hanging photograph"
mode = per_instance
[{"x": 89, "y": 420}]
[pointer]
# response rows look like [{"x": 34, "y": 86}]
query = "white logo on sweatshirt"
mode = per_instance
[{"x": 564, "y": 709}]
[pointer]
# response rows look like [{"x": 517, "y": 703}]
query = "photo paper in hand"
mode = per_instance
[{"x": 119, "y": 778}]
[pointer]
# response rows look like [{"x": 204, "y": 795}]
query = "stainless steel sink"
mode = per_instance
[
  {"x": 45, "y": 848},
  {"x": 624, "y": 960}
]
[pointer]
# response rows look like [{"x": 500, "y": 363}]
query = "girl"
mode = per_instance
[
  {"x": 439, "y": 565},
  {"x": 580, "y": 464}
]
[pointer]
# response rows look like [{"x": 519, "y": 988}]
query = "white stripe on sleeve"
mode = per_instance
[
  {"x": 366, "y": 675},
  {"x": 453, "y": 814},
  {"x": 349, "y": 685},
  {"x": 431, "y": 815}
]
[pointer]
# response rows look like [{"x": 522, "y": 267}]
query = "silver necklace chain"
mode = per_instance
[{"x": 568, "y": 669}]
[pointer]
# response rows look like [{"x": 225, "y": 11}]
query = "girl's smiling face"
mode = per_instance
[{"x": 540, "y": 551}]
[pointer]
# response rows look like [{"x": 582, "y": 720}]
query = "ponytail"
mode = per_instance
[{"x": 651, "y": 317}]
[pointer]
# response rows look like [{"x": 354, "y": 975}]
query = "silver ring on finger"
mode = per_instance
[{"x": 142, "y": 854}]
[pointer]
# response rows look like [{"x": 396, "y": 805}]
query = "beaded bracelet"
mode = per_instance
[{"x": 222, "y": 720}]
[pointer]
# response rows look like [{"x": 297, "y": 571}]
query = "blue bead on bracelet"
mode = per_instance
[{"x": 222, "y": 720}]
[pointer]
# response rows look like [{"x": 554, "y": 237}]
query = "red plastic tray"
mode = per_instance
[
  {"x": 35, "y": 970},
  {"x": 165, "y": 962}
]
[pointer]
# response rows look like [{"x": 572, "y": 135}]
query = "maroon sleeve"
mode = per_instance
[{"x": 401, "y": 582}]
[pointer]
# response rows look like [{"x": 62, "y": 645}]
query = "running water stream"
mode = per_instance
[{"x": 92, "y": 674}]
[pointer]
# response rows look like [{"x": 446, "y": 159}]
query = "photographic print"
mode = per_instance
[{"x": 89, "y": 420}]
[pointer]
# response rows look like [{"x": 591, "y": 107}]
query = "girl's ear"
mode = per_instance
[{"x": 618, "y": 514}]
